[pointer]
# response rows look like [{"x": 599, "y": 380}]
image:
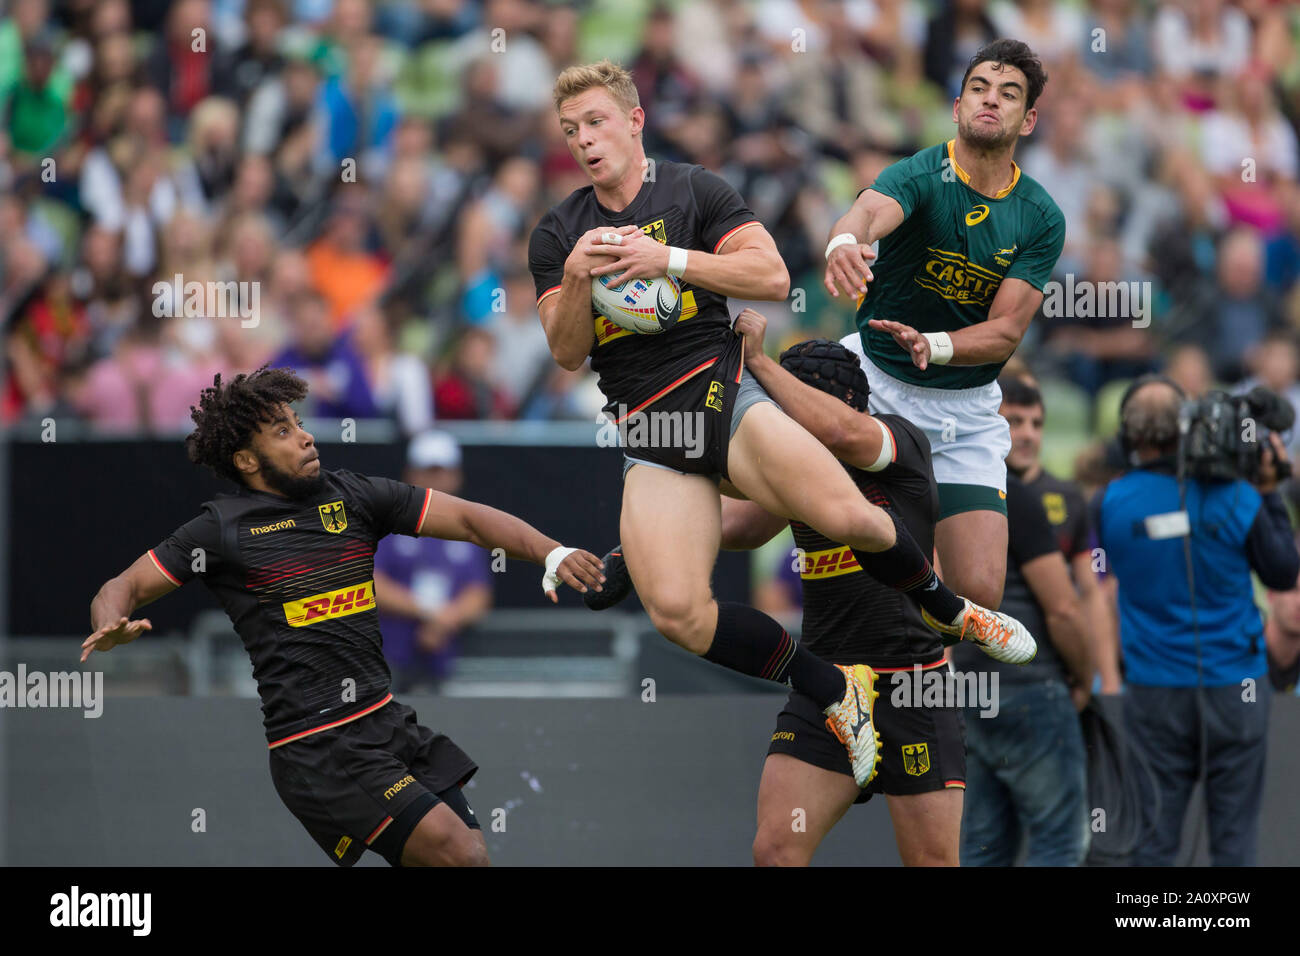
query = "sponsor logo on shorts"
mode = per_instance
[
  {"x": 714, "y": 400},
  {"x": 916, "y": 759},
  {"x": 398, "y": 787},
  {"x": 352, "y": 599},
  {"x": 828, "y": 564},
  {"x": 343, "y": 847},
  {"x": 278, "y": 526},
  {"x": 783, "y": 735}
]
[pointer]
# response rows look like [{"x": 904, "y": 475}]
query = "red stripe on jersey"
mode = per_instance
[
  {"x": 254, "y": 579},
  {"x": 894, "y": 441},
  {"x": 658, "y": 395},
  {"x": 743, "y": 225},
  {"x": 554, "y": 288},
  {"x": 428, "y": 497},
  {"x": 158, "y": 564},
  {"x": 334, "y": 723}
]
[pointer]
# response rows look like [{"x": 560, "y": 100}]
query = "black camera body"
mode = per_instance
[{"x": 1222, "y": 437}]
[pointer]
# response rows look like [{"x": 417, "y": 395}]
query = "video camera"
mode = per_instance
[{"x": 1222, "y": 437}]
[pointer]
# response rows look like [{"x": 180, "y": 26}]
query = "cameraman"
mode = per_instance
[{"x": 1192, "y": 641}]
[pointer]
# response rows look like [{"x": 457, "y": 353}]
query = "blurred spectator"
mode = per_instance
[
  {"x": 1189, "y": 367},
  {"x": 35, "y": 107},
  {"x": 1120, "y": 54},
  {"x": 492, "y": 126},
  {"x": 358, "y": 114},
  {"x": 664, "y": 83},
  {"x": 490, "y": 229},
  {"x": 465, "y": 389},
  {"x": 522, "y": 353},
  {"x": 1282, "y": 639},
  {"x": 1095, "y": 344},
  {"x": 342, "y": 268},
  {"x": 525, "y": 73},
  {"x": 1275, "y": 364},
  {"x": 259, "y": 56},
  {"x": 144, "y": 385},
  {"x": 1229, "y": 316},
  {"x": 1198, "y": 40},
  {"x": 428, "y": 590},
  {"x": 1282, "y": 251},
  {"x": 329, "y": 363},
  {"x": 953, "y": 36},
  {"x": 185, "y": 62},
  {"x": 398, "y": 381},
  {"x": 1052, "y": 30},
  {"x": 1250, "y": 149}
]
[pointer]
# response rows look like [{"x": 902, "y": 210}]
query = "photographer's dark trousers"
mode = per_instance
[{"x": 1164, "y": 726}]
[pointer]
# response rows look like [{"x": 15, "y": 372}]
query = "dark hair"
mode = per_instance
[
  {"x": 1010, "y": 52},
  {"x": 1018, "y": 391},
  {"x": 1156, "y": 427},
  {"x": 229, "y": 415},
  {"x": 829, "y": 367}
]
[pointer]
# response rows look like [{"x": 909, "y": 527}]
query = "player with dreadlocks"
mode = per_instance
[{"x": 290, "y": 556}]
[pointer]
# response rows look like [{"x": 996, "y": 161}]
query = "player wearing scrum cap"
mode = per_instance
[{"x": 643, "y": 222}]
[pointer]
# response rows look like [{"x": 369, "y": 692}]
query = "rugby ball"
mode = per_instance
[{"x": 645, "y": 306}]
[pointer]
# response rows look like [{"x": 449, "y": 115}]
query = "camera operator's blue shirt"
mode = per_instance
[{"x": 1233, "y": 531}]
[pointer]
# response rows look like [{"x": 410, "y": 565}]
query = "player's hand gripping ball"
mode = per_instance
[{"x": 644, "y": 306}]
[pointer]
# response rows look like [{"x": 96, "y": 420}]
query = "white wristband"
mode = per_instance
[
  {"x": 551, "y": 579},
  {"x": 676, "y": 261},
  {"x": 843, "y": 239},
  {"x": 940, "y": 347}
]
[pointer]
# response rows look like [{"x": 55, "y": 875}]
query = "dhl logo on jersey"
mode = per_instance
[
  {"x": 829, "y": 563},
  {"x": 953, "y": 276},
  {"x": 607, "y": 331},
  {"x": 320, "y": 607}
]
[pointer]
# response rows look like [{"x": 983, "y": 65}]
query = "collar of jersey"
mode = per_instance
[
  {"x": 965, "y": 177},
  {"x": 629, "y": 211}
]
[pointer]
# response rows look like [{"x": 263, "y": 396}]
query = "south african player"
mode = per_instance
[{"x": 967, "y": 244}]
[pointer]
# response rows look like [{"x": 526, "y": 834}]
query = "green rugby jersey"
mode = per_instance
[{"x": 939, "y": 270}]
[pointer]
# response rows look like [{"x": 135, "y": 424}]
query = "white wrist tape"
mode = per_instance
[
  {"x": 551, "y": 579},
  {"x": 886, "y": 448},
  {"x": 940, "y": 347},
  {"x": 676, "y": 261},
  {"x": 843, "y": 239}
]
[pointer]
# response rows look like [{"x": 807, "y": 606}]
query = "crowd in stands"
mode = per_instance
[{"x": 374, "y": 167}]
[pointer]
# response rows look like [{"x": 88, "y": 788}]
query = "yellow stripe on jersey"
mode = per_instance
[{"x": 352, "y": 599}]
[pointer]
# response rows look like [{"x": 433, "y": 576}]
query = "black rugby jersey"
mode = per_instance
[
  {"x": 848, "y": 616},
  {"x": 297, "y": 580},
  {"x": 685, "y": 206}
]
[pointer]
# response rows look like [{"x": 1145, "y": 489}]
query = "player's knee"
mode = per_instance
[
  {"x": 774, "y": 849},
  {"x": 683, "y": 619},
  {"x": 445, "y": 847},
  {"x": 932, "y": 856},
  {"x": 859, "y": 525}
]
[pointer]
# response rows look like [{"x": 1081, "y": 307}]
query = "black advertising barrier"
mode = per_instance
[{"x": 81, "y": 511}]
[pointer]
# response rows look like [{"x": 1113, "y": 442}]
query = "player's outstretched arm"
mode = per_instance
[
  {"x": 746, "y": 526},
  {"x": 872, "y": 216},
  {"x": 853, "y": 437},
  {"x": 456, "y": 519},
  {"x": 991, "y": 341},
  {"x": 111, "y": 608},
  {"x": 746, "y": 266}
]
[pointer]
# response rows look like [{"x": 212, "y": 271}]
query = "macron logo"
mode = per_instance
[{"x": 102, "y": 909}]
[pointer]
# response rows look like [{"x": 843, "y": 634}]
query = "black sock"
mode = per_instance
[
  {"x": 905, "y": 568},
  {"x": 749, "y": 641}
]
